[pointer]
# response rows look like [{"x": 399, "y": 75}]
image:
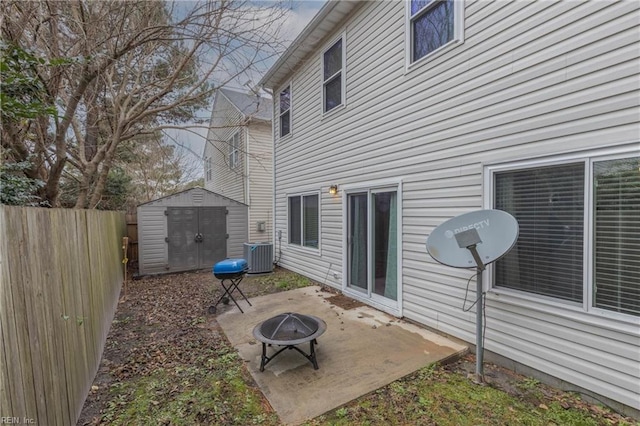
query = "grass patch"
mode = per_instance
[
  {"x": 279, "y": 280},
  {"x": 435, "y": 396},
  {"x": 214, "y": 392}
]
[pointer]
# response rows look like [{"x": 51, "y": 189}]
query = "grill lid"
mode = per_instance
[{"x": 288, "y": 327}]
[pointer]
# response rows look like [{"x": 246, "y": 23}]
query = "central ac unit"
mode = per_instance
[{"x": 259, "y": 257}]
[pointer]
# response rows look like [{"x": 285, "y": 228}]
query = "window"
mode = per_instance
[
  {"x": 333, "y": 76},
  {"x": 304, "y": 220},
  {"x": 207, "y": 168},
  {"x": 285, "y": 111},
  {"x": 549, "y": 256},
  {"x": 234, "y": 150},
  {"x": 432, "y": 25}
]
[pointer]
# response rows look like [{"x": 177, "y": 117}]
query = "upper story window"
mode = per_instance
[
  {"x": 432, "y": 25},
  {"x": 234, "y": 150},
  {"x": 285, "y": 111},
  {"x": 579, "y": 238},
  {"x": 207, "y": 168},
  {"x": 333, "y": 76}
]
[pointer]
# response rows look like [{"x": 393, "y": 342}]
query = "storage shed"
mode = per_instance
[{"x": 190, "y": 230}]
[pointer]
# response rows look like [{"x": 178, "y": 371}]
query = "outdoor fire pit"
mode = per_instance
[{"x": 288, "y": 330}]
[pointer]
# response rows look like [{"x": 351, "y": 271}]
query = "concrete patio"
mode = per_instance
[{"x": 362, "y": 350}]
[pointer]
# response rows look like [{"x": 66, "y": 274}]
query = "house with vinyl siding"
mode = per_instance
[
  {"x": 238, "y": 156},
  {"x": 390, "y": 118}
]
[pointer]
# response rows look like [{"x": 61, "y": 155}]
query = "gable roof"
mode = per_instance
[
  {"x": 197, "y": 192},
  {"x": 326, "y": 20},
  {"x": 253, "y": 106}
]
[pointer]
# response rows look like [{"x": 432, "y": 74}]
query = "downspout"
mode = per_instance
[
  {"x": 277, "y": 257},
  {"x": 246, "y": 175}
]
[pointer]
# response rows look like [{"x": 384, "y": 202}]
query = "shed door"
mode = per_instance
[
  {"x": 182, "y": 227},
  {"x": 197, "y": 237},
  {"x": 213, "y": 232}
]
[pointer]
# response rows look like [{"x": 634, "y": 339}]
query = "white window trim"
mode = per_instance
[
  {"x": 288, "y": 135},
  {"x": 301, "y": 246},
  {"x": 373, "y": 186},
  {"x": 583, "y": 312},
  {"x": 343, "y": 76},
  {"x": 458, "y": 35},
  {"x": 234, "y": 152},
  {"x": 208, "y": 169}
]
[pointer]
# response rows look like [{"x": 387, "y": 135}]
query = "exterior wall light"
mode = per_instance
[{"x": 333, "y": 189}]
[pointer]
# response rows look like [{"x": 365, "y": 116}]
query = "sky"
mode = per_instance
[{"x": 193, "y": 141}]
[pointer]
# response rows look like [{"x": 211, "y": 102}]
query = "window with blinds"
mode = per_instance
[
  {"x": 295, "y": 220},
  {"x": 310, "y": 235},
  {"x": 304, "y": 220},
  {"x": 616, "y": 205},
  {"x": 549, "y": 204}
]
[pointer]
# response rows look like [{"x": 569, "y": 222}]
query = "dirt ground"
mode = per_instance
[{"x": 163, "y": 322}]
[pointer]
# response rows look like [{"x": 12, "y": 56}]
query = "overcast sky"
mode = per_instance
[{"x": 302, "y": 11}]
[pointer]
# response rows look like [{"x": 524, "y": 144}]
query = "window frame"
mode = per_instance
[
  {"x": 547, "y": 303},
  {"x": 458, "y": 31},
  {"x": 301, "y": 196},
  {"x": 234, "y": 150},
  {"x": 281, "y": 113},
  {"x": 343, "y": 69},
  {"x": 208, "y": 169}
]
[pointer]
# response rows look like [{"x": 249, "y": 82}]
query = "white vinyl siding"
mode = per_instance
[
  {"x": 251, "y": 180},
  {"x": 226, "y": 121},
  {"x": 531, "y": 79},
  {"x": 260, "y": 166}
]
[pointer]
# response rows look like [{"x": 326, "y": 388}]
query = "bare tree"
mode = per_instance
[
  {"x": 131, "y": 68},
  {"x": 156, "y": 168}
]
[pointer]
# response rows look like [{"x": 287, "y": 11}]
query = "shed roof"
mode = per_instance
[
  {"x": 196, "y": 193},
  {"x": 325, "y": 21},
  {"x": 253, "y": 106}
]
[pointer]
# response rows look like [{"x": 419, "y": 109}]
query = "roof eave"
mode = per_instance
[{"x": 325, "y": 21}]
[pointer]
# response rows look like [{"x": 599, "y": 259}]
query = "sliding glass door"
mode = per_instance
[
  {"x": 358, "y": 242},
  {"x": 372, "y": 244}
]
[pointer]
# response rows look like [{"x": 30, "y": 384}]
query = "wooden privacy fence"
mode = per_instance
[{"x": 60, "y": 278}]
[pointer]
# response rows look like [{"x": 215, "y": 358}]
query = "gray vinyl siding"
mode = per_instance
[
  {"x": 260, "y": 166},
  {"x": 237, "y": 230},
  {"x": 226, "y": 120},
  {"x": 152, "y": 226},
  {"x": 152, "y": 249},
  {"x": 530, "y": 79}
]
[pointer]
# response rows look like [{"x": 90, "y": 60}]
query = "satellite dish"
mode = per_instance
[
  {"x": 470, "y": 240},
  {"x": 491, "y": 232}
]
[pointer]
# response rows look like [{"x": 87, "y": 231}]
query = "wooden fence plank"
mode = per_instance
[
  {"x": 43, "y": 278},
  {"x": 20, "y": 364},
  {"x": 59, "y": 287},
  {"x": 63, "y": 255}
]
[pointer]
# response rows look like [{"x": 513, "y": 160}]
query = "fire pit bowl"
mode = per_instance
[{"x": 288, "y": 330}]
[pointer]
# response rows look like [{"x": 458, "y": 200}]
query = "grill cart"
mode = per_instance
[{"x": 230, "y": 272}]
